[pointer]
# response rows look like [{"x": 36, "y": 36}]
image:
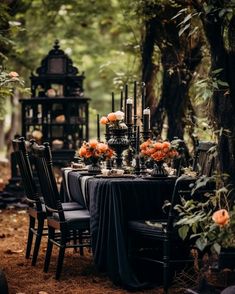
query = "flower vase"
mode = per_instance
[
  {"x": 94, "y": 167},
  {"x": 158, "y": 169},
  {"x": 118, "y": 142}
]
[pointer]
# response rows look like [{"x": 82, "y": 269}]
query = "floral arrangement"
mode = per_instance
[
  {"x": 114, "y": 120},
  {"x": 158, "y": 151},
  {"x": 211, "y": 222},
  {"x": 95, "y": 149}
]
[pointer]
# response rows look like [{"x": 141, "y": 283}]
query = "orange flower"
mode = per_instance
[
  {"x": 102, "y": 147},
  {"x": 82, "y": 151},
  {"x": 93, "y": 143},
  {"x": 221, "y": 217},
  {"x": 103, "y": 120},
  {"x": 112, "y": 116},
  {"x": 158, "y": 146},
  {"x": 145, "y": 144},
  {"x": 166, "y": 144}
]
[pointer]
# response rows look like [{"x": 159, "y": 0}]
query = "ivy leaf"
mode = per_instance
[
  {"x": 216, "y": 247},
  {"x": 183, "y": 231},
  {"x": 201, "y": 243}
]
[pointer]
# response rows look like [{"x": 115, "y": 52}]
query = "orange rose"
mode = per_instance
[
  {"x": 82, "y": 151},
  {"x": 158, "y": 146},
  {"x": 102, "y": 147},
  {"x": 166, "y": 144},
  {"x": 112, "y": 116},
  {"x": 93, "y": 143},
  {"x": 221, "y": 217},
  {"x": 103, "y": 120}
]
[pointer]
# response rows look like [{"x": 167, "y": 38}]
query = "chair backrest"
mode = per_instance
[
  {"x": 22, "y": 158},
  {"x": 204, "y": 160},
  {"x": 184, "y": 187},
  {"x": 43, "y": 164}
]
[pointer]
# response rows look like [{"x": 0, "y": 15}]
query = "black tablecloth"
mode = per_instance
[{"x": 112, "y": 203}]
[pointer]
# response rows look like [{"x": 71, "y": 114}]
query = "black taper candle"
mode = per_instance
[
  {"x": 135, "y": 98},
  {"x": 143, "y": 93},
  {"x": 113, "y": 107},
  {"x": 146, "y": 120},
  {"x": 125, "y": 100},
  {"x": 98, "y": 127},
  {"x": 138, "y": 140},
  {"x": 121, "y": 101}
]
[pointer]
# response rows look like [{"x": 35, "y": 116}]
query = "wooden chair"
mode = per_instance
[
  {"x": 36, "y": 211},
  {"x": 162, "y": 236},
  {"x": 205, "y": 159},
  {"x": 62, "y": 224}
]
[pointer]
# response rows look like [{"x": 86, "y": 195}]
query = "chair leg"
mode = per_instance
[
  {"x": 166, "y": 266},
  {"x": 75, "y": 240},
  {"x": 51, "y": 234},
  {"x": 30, "y": 236},
  {"x": 80, "y": 242},
  {"x": 38, "y": 241},
  {"x": 60, "y": 262}
]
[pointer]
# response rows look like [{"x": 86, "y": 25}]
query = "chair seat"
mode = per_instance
[
  {"x": 76, "y": 219},
  {"x": 151, "y": 228},
  {"x": 67, "y": 206},
  {"x": 72, "y": 206}
]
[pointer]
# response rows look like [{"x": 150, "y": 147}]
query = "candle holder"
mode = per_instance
[
  {"x": 137, "y": 165},
  {"x": 143, "y": 169},
  {"x": 118, "y": 142}
]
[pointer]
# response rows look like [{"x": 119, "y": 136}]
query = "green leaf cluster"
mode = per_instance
[{"x": 195, "y": 217}]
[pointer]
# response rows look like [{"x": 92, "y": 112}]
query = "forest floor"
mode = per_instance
[{"x": 79, "y": 273}]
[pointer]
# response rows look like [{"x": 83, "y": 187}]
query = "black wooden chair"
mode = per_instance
[
  {"x": 62, "y": 225},
  {"x": 162, "y": 235},
  {"x": 36, "y": 211},
  {"x": 205, "y": 158}
]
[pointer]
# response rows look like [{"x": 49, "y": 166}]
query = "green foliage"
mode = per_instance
[
  {"x": 9, "y": 82},
  {"x": 195, "y": 217}
]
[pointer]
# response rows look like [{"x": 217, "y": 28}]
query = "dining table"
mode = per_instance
[{"x": 112, "y": 202}]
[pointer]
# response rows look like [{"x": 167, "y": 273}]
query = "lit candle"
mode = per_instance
[
  {"x": 146, "y": 119},
  {"x": 113, "y": 102},
  {"x": 135, "y": 98},
  {"x": 129, "y": 111},
  {"x": 98, "y": 127}
]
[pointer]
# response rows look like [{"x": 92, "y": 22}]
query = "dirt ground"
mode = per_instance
[{"x": 79, "y": 274}]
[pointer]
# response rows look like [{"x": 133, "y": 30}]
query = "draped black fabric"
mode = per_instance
[
  {"x": 74, "y": 185},
  {"x": 112, "y": 203}
]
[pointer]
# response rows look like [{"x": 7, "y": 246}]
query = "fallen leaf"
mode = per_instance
[
  {"x": 9, "y": 251},
  {"x": 42, "y": 292}
]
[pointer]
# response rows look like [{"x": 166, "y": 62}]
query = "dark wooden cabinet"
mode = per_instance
[{"x": 57, "y": 111}]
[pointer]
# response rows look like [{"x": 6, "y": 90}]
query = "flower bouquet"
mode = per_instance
[
  {"x": 114, "y": 120},
  {"x": 158, "y": 152},
  {"x": 93, "y": 152},
  {"x": 116, "y": 133}
]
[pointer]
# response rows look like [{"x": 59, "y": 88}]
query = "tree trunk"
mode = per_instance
[{"x": 222, "y": 100}]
